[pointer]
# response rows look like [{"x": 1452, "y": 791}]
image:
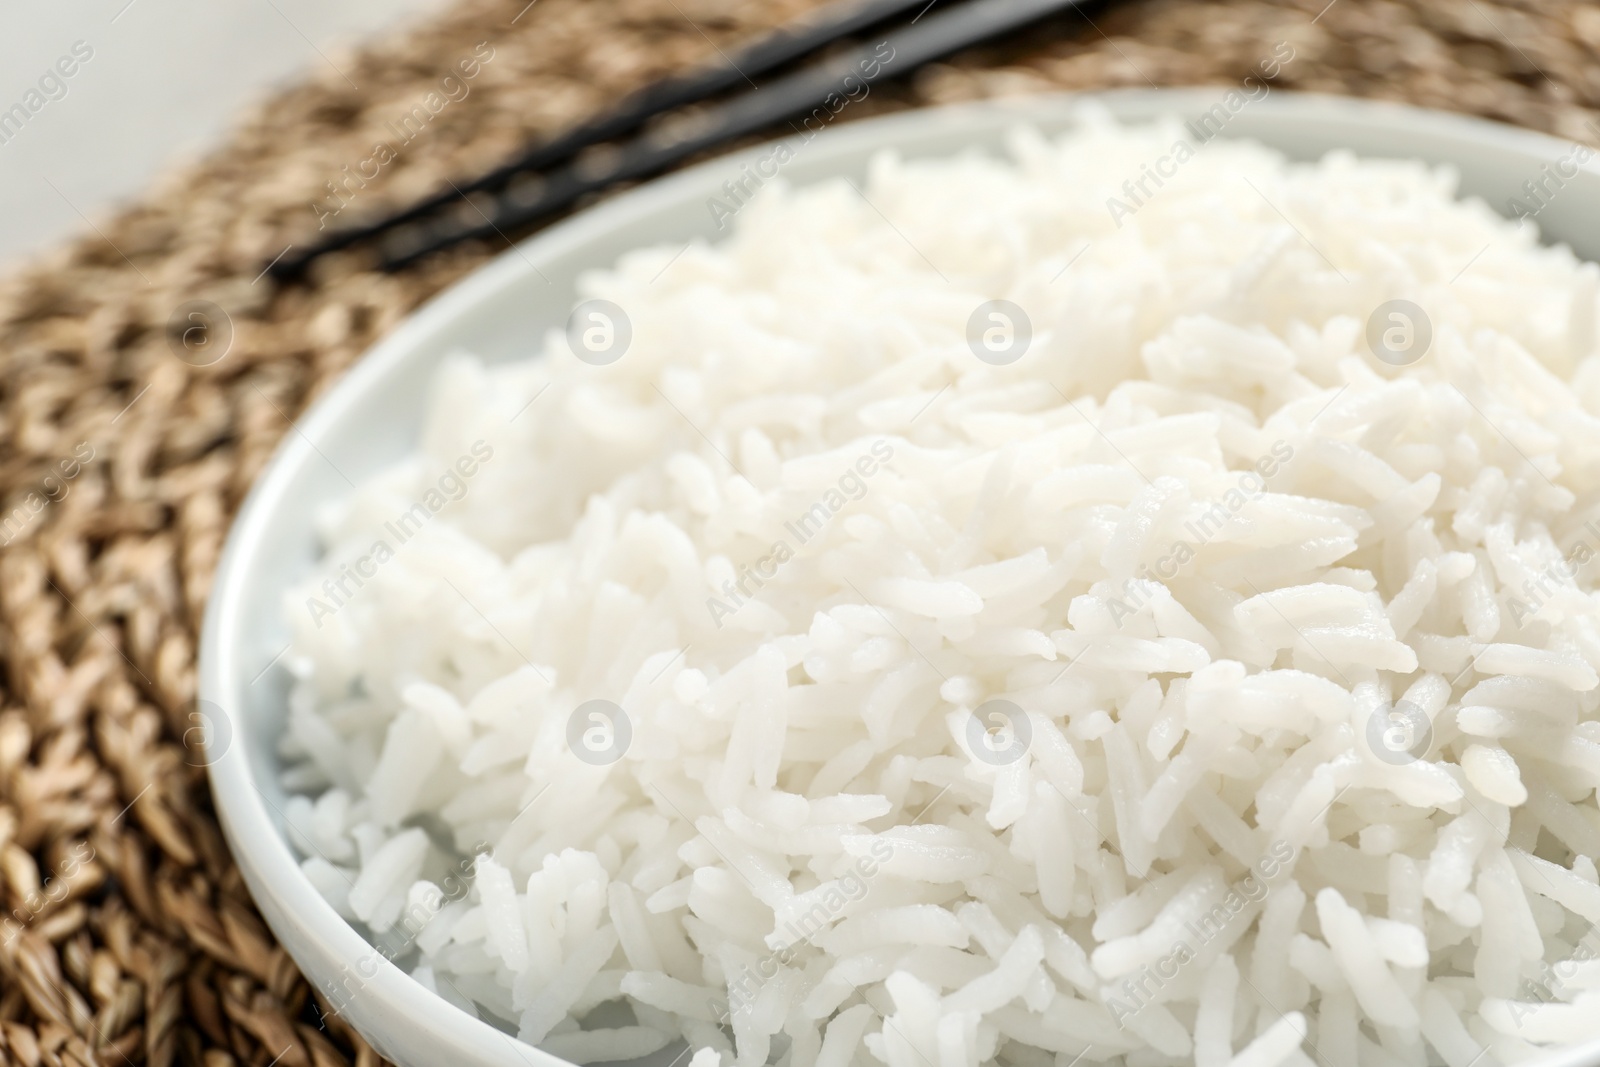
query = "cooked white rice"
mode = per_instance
[{"x": 1320, "y": 790}]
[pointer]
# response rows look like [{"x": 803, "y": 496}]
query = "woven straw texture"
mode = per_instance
[{"x": 127, "y": 936}]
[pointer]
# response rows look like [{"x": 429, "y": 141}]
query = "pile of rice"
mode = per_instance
[{"x": 975, "y": 769}]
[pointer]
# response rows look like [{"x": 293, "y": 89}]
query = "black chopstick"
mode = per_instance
[
  {"x": 785, "y": 45},
  {"x": 422, "y": 231}
]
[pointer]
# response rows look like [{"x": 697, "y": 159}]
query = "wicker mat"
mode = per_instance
[{"x": 127, "y": 936}]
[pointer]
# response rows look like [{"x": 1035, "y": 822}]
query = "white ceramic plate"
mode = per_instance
[{"x": 373, "y": 418}]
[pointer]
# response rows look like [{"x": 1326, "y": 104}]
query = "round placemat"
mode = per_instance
[{"x": 149, "y": 368}]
